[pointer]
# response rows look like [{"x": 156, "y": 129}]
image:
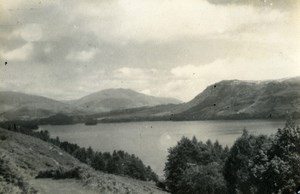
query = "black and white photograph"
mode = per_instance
[{"x": 149, "y": 96}]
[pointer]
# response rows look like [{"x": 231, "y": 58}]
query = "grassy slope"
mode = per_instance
[{"x": 22, "y": 157}]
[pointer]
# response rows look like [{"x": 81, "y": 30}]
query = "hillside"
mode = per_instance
[
  {"x": 230, "y": 99},
  {"x": 15, "y": 105},
  {"x": 234, "y": 99},
  {"x": 22, "y": 158},
  {"x": 116, "y": 99}
]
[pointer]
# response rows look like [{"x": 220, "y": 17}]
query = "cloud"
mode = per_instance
[
  {"x": 283, "y": 4},
  {"x": 238, "y": 68},
  {"x": 81, "y": 55},
  {"x": 186, "y": 71},
  {"x": 160, "y": 47},
  {"x": 31, "y": 32},
  {"x": 163, "y": 20},
  {"x": 189, "y": 80},
  {"x": 128, "y": 73},
  {"x": 146, "y": 91},
  {"x": 19, "y": 54}
]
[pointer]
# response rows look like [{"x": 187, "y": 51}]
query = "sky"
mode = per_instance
[{"x": 66, "y": 49}]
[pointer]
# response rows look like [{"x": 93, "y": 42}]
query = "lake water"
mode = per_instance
[{"x": 150, "y": 140}]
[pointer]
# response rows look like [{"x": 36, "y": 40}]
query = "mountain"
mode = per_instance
[
  {"x": 229, "y": 99},
  {"x": 116, "y": 99},
  {"x": 15, "y": 105},
  {"x": 234, "y": 99}
]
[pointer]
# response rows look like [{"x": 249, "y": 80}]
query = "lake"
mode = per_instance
[{"x": 150, "y": 140}]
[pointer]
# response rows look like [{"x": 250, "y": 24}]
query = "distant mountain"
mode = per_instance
[
  {"x": 116, "y": 99},
  {"x": 230, "y": 99},
  {"x": 15, "y": 105}
]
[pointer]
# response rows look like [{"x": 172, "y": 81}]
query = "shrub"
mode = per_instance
[{"x": 60, "y": 173}]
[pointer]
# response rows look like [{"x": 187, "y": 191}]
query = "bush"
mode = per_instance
[
  {"x": 60, "y": 173},
  {"x": 3, "y": 137}
]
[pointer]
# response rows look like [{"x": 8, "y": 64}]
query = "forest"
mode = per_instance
[{"x": 254, "y": 164}]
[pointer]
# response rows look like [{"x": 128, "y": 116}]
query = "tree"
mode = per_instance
[
  {"x": 203, "y": 179},
  {"x": 195, "y": 167},
  {"x": 89, "y": 155},
  {"x": 261, "y": 164},
  {"x": 178, "y": 159},
  {"x": 247, "y": 156},
  {"x": 80, "y": 154},
  {"x": 283, "y": 173},
  {"x": 151, "y": 176},
  {"x": 98, "y": 162}
]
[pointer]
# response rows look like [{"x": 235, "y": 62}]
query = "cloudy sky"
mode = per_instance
[{"x": 65, "y": 49}]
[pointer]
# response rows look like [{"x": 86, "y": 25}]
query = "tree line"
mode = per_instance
[
  {"x": 254, "y": 164},
  {"x": 119, "y": 162}
]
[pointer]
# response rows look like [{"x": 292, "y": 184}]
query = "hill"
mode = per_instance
[
  {"x": 116, "y": 99},
  {"x": 234, "y": 99},
  {"x": 20, "y": 106},
  {"x": 22, "y": 158},
  {"x": 229, "y": 99}
]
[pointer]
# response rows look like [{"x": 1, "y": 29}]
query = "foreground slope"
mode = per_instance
[
  {"x": 115, "y": 99},
  {"x": 16, "y": 105},
  {"x": 22, "y": 157}
]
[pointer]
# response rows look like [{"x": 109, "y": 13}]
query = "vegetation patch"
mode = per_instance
[
  {"x": 3, "y": 137},
  {"x": 10, "y": 180},
  {"x": 60, "y": 173}
]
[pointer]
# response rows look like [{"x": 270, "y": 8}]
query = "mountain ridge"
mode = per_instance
[
  {"x": 17, "y": 105},
  {"x": 119, "y": 98},
  {"x": 242, "y": 99},
  {"x": 22, "y": 106},
  {"x": 228, "y": 99}
]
